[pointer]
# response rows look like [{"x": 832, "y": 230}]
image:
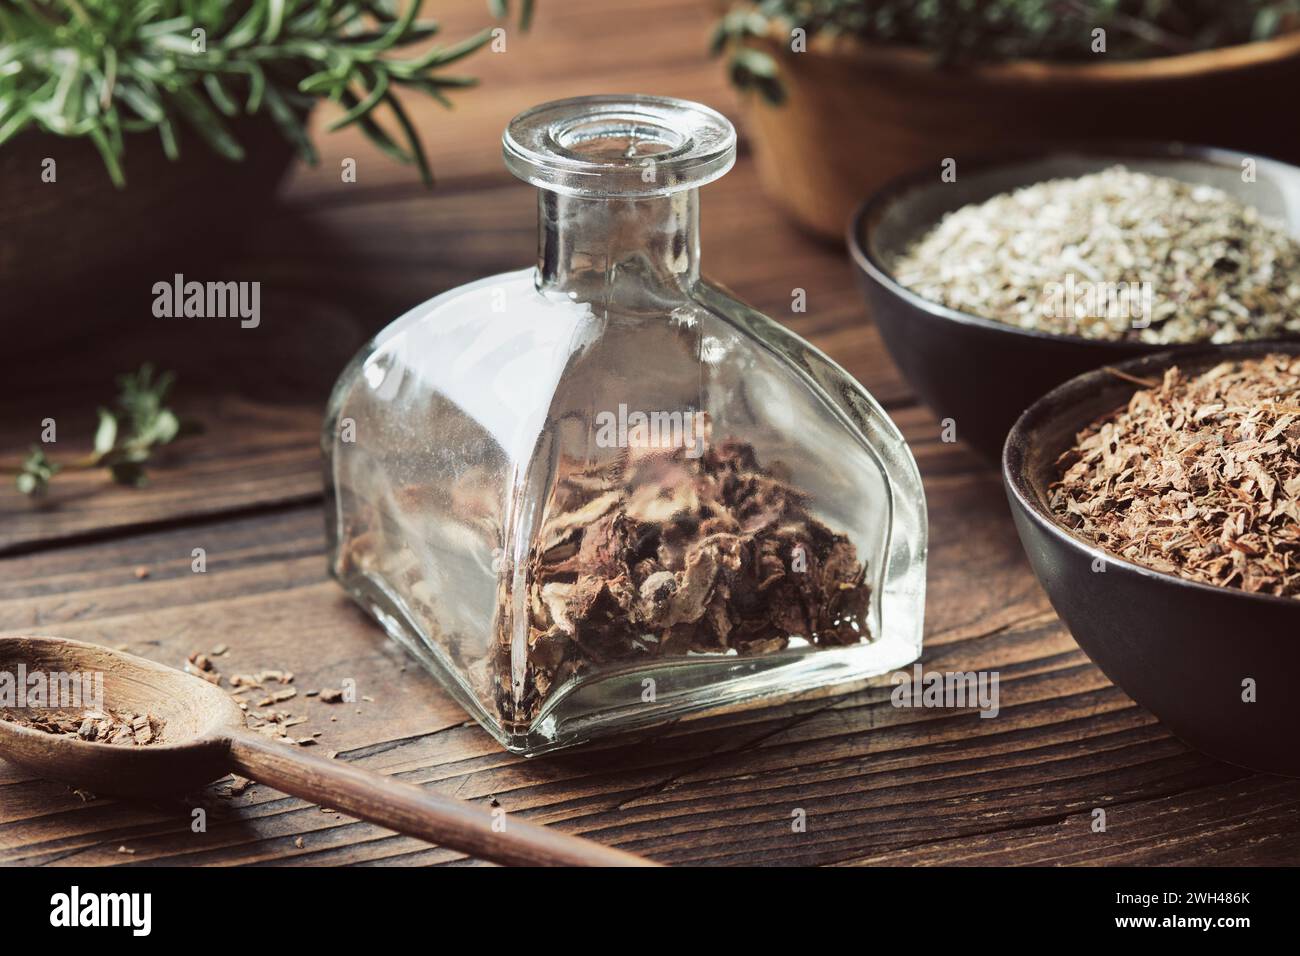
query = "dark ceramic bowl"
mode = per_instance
[
  {"x": 981, "y": 373},
  {"x": 1179, "y": 648}
]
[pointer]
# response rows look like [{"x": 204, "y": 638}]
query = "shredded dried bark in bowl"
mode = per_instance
[
  {"x": 659, "y": 554},
  {"x": 1197, "y": 476}
]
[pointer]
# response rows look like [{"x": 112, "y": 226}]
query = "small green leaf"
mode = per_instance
[
  {"x": 363, "y": 107},
  {"x": 35, "y": 473},
  {"x": 106, "y": 433},
  {"x": 165, "y": 427}
]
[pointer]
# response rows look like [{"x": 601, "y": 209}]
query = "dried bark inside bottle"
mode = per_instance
[{"x": 660, "y": 554}]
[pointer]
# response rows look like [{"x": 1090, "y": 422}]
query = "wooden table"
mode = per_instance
[{"x": 338, "y": 261}]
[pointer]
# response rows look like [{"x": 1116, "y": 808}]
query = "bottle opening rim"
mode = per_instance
[{"x": 619, "y": 146}]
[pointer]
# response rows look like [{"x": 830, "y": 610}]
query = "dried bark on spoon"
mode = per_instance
[{"x": 206, "y": 738}]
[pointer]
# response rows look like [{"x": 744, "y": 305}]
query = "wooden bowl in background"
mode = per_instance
[{"x": 857, "y": 116}]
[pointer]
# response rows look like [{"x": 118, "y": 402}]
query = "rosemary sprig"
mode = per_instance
[
  {"x": 501, "y": 10},
  {"x": 137, "y": 423},
  {"x": 983, "y": 30},
  {"x": 103, "y": 68}
]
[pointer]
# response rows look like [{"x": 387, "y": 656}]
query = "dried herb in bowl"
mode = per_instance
[
  {"x": 1198, "y": 476},
  {"x": 1115, "y": 255}
]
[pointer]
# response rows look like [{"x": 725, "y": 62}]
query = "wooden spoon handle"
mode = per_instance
[{"x": 411, "y": 810}]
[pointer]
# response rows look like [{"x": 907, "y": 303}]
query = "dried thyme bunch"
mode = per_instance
[
  {"x": 662, "y": 555},
  {"x": 1198, "y": 477},
  {"x": 1216, "y": 271}
]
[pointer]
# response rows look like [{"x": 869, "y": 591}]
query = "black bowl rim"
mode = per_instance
[
  {"x": 1022, "y": 491},
  {"x": 860, "y": 250}
]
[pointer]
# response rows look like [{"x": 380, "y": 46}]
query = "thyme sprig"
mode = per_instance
[
  {"x": 127, "y": 436},
  {"x": 104, "y": 68}
]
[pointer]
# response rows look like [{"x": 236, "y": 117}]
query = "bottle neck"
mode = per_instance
[{"x": 640, "y": 254}]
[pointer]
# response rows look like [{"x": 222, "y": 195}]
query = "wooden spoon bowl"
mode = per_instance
[
  {"x": 197, "y": 717},
  {"x": 204, "y": 737}
]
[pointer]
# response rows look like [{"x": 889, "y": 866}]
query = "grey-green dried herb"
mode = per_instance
[
  {"x": 1115, "y": 255},
  {"x": 659, "y": 555},
  {"x": 1197, "y": 476}
]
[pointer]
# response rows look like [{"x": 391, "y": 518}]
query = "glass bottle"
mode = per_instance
[{"x": 601, "y": 493}]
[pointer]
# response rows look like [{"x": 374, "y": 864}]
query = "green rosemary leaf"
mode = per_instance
[
  {"x": 501, "y": 10},
  {"x": 247, "y": 30},
  {"x": 207, "y": 124},
  {"x": 399, "y": 27},
  {"x": 450, "y": 82},
  {"x": 109, "y": 79},
  {"x": 412, "y": 139},
  {"x": 98, "y": 137},
  {"x": 145, "y": 106},
  {"x": 171, "y": 148},
  {"x": 14, "y": 122},
  {"x": 379, "y": 136},
  {"x": 172, "y": 43},
  {"x": 375, "y": 96},
  {"x": 417, "y": 32},
  {"x": 274, "y": 20},
  {"x": 441, "y": 56},
  {"x": 326, "y": 82},
  {"x": 256, "y": 87},
  {"x": 290, "y": 124},
  {"x": 160, "y": 28},
  {"x": 432, "y": 90},
  {"x": 218, "y": 95}
]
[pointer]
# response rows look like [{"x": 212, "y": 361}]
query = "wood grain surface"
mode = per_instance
[{"x": 878, "y": 784}]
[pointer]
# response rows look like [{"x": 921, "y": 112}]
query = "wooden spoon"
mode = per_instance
[{"x": 204, "y": 737}]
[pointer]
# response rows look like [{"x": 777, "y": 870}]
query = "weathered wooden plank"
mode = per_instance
[
  {"x": 1254, "y": 821},
  {"x": 252, "y": 455},
  {"x": 878, "y": 784},
  {"x": 873, "y": 779}
]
